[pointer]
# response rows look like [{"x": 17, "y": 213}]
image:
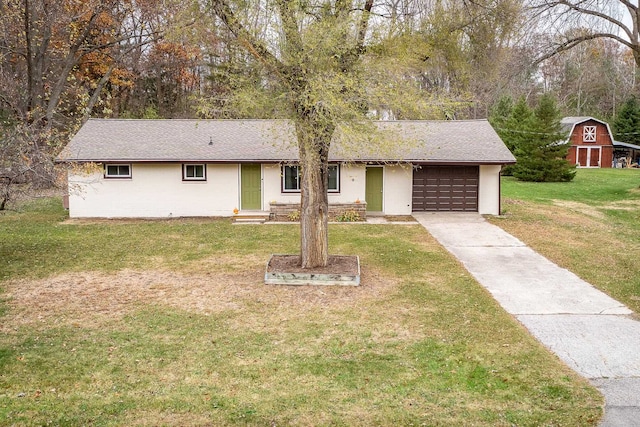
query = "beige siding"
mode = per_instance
[
  {"x": 489, "y": 190},
  {"x": 158, "y": 191},
  {"x": 351, "y": 186},
  {"x": 155, "y": 191}
]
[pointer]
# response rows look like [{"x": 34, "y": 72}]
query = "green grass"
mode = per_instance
[
  {"x": 590, "y": 226},
  {"x": 591, "y": 186},
  {"x": 36, "y": 244},
  {"x": 420, "y": 343}
]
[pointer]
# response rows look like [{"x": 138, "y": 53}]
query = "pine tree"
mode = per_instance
[
  {"x": 541, "y": 155},
  {"x": 504, "y": 118},
  {"x": 513, "y": 123},
  {"x": 626, "y": 126},
  {"x": 500, "y": 113},
  {"x": 519, "y": 125}
]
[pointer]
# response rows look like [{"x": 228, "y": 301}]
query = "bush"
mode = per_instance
[
  {"x": 294, "y": 216},
  {"x": 348, "y": 216}
]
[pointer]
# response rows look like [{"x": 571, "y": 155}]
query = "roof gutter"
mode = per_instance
[{"x": 275, "y": 161}]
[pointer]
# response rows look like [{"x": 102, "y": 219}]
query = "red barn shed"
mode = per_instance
[{"x": 591, "y": 142}]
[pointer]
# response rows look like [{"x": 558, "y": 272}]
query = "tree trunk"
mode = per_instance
[
  {"x": 313, "y": 144},
  {"x": 37, "y": 33}
]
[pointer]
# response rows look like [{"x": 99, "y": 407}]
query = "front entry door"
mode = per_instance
[
  {"x": 373, "y": 189},
  {"x": 251, "y": 187}
]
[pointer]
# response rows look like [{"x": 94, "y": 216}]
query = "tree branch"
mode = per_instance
[
  {"x": 573, "y": 42},
  {"x": 69, "y": 62},
  {"x": 364, "y": 25},
  {"x": 290, "y": 26},
  {"x": 258, "y": 50},
  {"x": 597, "y": 14},
  {"x": 629, "y": 5}
]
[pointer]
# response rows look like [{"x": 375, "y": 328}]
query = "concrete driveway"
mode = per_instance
[{"x": 591, "y": 332}]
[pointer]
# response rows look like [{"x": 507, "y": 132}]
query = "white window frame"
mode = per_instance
[
  {"x": 117, "y": 175},
  {"x": 337, "y": 189},
  {"x": 299, "y": 176},
  {"x": 284, "y": 179},
  {"x": 589, "y": 133},
  {"x": 194, "y": 178}
]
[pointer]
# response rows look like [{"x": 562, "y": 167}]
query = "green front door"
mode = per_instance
[
  {"x": 373, "y": 189},
  {"x": 251, "y": 187}
]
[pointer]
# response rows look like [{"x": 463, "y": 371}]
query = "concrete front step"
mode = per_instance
[{"x": 251, "y": 218}]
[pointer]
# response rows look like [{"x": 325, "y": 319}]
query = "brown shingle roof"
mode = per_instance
[{"x": 112, "y": 140}]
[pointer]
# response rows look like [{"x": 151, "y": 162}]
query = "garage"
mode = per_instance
[{"x": 445, "y": 188}]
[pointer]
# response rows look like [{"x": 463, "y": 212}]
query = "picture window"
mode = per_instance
[{"x": 291, "y": 179}]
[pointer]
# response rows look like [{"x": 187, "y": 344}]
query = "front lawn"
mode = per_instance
[
  {"x": 590, "y": 226},
  {"x": 168, "y": 323}
]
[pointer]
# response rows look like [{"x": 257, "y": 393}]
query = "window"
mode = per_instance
[
  {"x": 194, "y": 172},
  {"x": 117, "y": 171},
  {"x": 291, "y": 179},
  {"x": 334, "y": 179},
  {"x": 589, "y": 134}
]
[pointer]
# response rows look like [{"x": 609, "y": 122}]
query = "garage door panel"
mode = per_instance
[{"x": 445, "y": 188}]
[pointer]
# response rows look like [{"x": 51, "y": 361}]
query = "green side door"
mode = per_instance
[
  {"x": 373, "y": 189},
  {"x": 250, "y": 187}
]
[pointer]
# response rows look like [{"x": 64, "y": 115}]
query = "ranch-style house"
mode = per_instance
[{"x": 206, "y": 168}]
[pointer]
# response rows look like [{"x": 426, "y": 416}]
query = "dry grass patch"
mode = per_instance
[
  {"x": 623, "y": 205},
  {"x": 597, "y": 211},
  {"x": 582, "y": 208},
  {"x": 92, "y": 299}
]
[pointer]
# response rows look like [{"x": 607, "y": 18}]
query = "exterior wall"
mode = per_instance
[
  {"x": 571, "y": 155},
  {"x": 489, "y": 190},
  {"x": 352, "y": 185},
  {"x": 397, "y": 189},
  {"x": 603, "y": 143},
  {"x": 154, "y": 191},
  {"x": 158, "y": 191},
  {"x": 397, "y": 182}
]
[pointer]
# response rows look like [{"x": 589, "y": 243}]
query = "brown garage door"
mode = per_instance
[{"x": 445, "y": 188}]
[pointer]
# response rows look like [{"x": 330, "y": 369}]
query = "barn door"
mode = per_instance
[
  {"x": 594, "y": 158},
  {"x": 589, "y": 157},
  {"x": 582, "y": 156}
]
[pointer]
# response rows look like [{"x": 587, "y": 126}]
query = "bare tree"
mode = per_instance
[
  {"x": 24, "y": 164},
  {"x": 55, "y": 58},
  {"x": 618, "y": 20}
]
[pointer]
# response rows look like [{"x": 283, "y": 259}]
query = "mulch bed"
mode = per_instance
[{"x": 338, "y": 264}]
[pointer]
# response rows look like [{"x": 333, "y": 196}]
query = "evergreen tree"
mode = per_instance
[
  {"x": 626, "y": 126},
  {"x": 541, "y": 151},
  {"x": 519, "y": 125},
  {"x": 500, "y": 113},
  {"x": 512, "y": 123}
]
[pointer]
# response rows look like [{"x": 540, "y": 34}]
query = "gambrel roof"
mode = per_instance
[
  {"x": 242, "y": 141},
  {"x": 569, "y": 123}
]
